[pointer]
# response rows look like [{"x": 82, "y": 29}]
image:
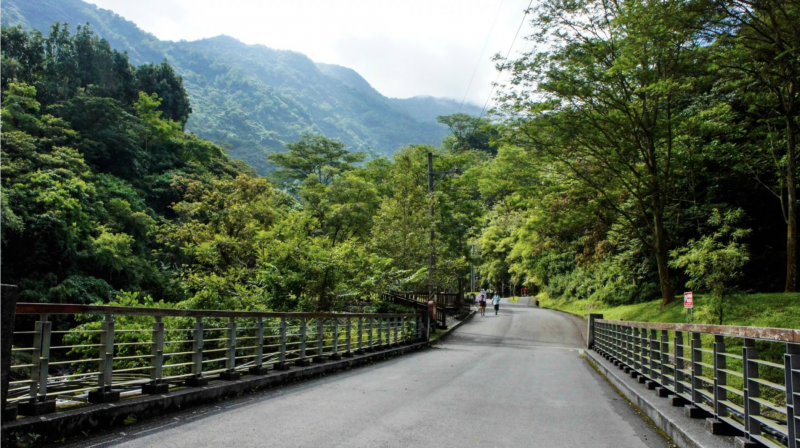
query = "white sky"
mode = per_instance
[{"x": 402, "y": 48}]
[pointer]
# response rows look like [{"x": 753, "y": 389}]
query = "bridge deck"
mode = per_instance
[{"x": 515, "y": 379}]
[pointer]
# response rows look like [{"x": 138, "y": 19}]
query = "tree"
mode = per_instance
[
  {"x": 760, "y": 43},
  {"x": 605, "y": 104},
  {"x": 716, "y": 259},
  {"x": 162, "y": 81},
  {"x": 314, "y": 155},
  {"x": 469, "y": 132}
]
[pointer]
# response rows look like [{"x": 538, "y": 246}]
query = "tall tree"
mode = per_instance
[
  {"x": 314, "y": 155},
  {"x": 605, "y": 101},
  {"x": 761, "y": 50}
]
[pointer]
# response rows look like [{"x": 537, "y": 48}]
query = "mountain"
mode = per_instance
[{"x": 254, "y": 99}]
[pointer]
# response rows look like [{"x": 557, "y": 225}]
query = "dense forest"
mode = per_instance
[
  {"x": 640, "y": 149},
  {"x": 252, "y": 99}
]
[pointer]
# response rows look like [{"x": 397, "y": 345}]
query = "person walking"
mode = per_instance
[
  {"x": 483, "y": 305},
  {"x": 496, "y": 303},
  {"x": 478, "y": 299}
]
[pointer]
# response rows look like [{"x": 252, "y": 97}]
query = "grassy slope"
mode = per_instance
[{"x": 779, "y": 310}]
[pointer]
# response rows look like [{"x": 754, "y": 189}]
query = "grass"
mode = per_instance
[{"x": 777, "y": 310}]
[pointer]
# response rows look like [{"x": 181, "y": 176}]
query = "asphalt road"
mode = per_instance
[{"x": 512, "y": 380}]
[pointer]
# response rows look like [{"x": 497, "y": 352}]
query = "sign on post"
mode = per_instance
[
  {"x": 688, "y": 303},
  {"x": 688, "y": 300}
]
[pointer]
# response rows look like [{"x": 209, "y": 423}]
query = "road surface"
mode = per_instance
[{"x": 511, "y": 380}]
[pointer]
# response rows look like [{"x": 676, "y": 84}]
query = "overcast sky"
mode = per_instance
[{"x": 402, "y": 48}]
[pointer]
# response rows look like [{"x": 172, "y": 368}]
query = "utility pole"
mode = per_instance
[
  {"x": 472, "y": 271},
  {"x": 431, "y": 185},
  {"x": 432, "y": 260}
]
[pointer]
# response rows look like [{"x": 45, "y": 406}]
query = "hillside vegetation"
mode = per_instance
[{"x": 253, "y": 99}]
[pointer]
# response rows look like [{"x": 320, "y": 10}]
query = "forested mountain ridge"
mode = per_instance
[{"x": 255, "y": 99}]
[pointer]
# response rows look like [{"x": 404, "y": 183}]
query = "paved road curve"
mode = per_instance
[{"x": 512, "y": 380}]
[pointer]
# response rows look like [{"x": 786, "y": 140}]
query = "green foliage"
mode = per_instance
[
  {"x": 468, "y": 132},
  {"x": 81, "y": 156},
  {"x": 315, "y": 156},
  {"x": 716, "y": 259}
]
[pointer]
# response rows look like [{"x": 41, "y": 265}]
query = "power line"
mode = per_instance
[
  {"x": 506, "y": 59},
  {"x": 477, "y": 64}
]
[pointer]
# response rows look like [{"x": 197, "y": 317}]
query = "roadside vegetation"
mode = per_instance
[{"x": 778, "y": 310}]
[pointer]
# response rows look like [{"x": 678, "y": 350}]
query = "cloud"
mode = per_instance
[
  {"x": 403, "y": 48},
  {"x": 400, "y": 68}
]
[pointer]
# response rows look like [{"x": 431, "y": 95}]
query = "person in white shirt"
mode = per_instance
[{"x": 496, "y": 303}]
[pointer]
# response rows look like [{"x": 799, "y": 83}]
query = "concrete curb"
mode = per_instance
[
  {"x": 453, "y": 328},
  {"x": 684, "y": 431},
  {"x": 54, "y": 427}
]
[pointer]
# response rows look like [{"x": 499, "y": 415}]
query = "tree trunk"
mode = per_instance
[
  {"x": 662, "y": 258},
  {"x": 791, "y": 209}
]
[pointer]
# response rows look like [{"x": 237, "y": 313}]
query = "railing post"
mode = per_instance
[
  {"x": 644, "y": 353},
  {"x": 612, "y": 328},
  {"x": 390, "y": 332},
  {"x": 360, "y": 337},
  {"x": 335, "y": 349},
  {"x": 369, "y": 334},
  {"x": 303, "y": 327},
  {"x": 230, "y": 373},
  {"x": 8, "y": 312},
  {"x": 697, "y": 369},
  {"x": 156, "y": 386},
  {"x": 320, "y": 358},
  {"x": 752, "y": 408},
  {"x": 636, "y": 350},
  {"x": 791, "y": 365},
  {"x": 665, "y": 359},
  {"x": 396, "y": 330},
  {"x": 590, "y": 335},
  {"x": 258, "y": 368},
  {"x": 349, "y": 338},
  {"x": 197, "y": 379},
  {"x": 387, "y": 331},
  {"x": 104, "y": 394},
  {"x": 631, "y": 355},
  {"x": 655, "y": 359},
  {"x": 380, "y": 332},
  {"x": 40, "y": 359},
  {"x": 720, "y": 377},
  {"x": 679, "y": 367},
  {"x": 282, "y": 364}
]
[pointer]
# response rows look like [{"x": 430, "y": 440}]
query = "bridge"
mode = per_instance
[{"x": 520, "y": 378}]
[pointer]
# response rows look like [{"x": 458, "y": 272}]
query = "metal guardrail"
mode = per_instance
[
  {"x": 443, "y": 301},
  {"x": 746, "y": 377},
  {"x": 129, "y": 350}
]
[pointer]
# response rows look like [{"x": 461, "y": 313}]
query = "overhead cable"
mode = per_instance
[
  {"x": 480, "y": 58},
  {"x": 506, "y": 58}
]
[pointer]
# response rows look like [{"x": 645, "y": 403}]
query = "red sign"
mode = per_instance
[{"x": 688, "y": 300}]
